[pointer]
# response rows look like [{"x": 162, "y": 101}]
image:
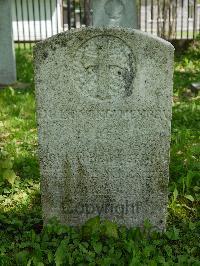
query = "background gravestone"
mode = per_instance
[
  {"x": 7, "y": 58},
  {"x": 121, "y": 13},
  {"x": 104, "y": 112}
]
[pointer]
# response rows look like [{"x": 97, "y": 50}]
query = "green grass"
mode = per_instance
[{"x": 24, "y": 241}]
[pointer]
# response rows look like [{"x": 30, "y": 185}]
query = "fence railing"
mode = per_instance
[
  {"x": 35, "y": 20},
  {"x": 170, "y": 19}
]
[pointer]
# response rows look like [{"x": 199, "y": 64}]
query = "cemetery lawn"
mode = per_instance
[{"x": 24, "y": 241}]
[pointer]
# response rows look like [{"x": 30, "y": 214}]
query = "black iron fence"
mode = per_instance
[
  {"x": 35, "y": 20},
  {"x": 170, "y": 19}
]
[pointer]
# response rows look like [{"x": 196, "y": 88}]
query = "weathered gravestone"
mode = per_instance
[
  {"x": 121, "y": 13},
  {"x": 104, "y": 111},
  {"x": 7, "y": 57}
]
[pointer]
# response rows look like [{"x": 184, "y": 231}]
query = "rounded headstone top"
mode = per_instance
[{"x": 84, "y": 34}]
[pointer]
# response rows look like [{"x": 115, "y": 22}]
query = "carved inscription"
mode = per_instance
[
  {"x": 106, "y": 68},
  {"x": 123, "y": 209}
]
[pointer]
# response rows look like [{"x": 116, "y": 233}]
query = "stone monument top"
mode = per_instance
[{"x": 121, "y": 13}]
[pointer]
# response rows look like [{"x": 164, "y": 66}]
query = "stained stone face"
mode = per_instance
[
  {"x": 121, "y": 13},
  {"x": 104, "y": 112}
]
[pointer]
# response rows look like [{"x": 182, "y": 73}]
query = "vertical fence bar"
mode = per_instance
[
  {"x": 17, "y": 23},
  {"x": 22, "y": 14},
  {"x": 50, "y": 5},
  {"x": 188, "y": 16},
  {"x": 176, "y": 20},
  {"x": 34, "y": 22},
  {"x": 139, "y": 14},
  {"x": 158, "y": 17},
  {"x": 84, "y": 12},
  {"x": 62, "y": 19},
  {"x": 152, "y": 3},
  {"x": 80, "y": 13},
  {"x": 194, "y": 21},
  {"x": 163, "y": 17},
  {"x": 40, "y": 21},
  {"x": 57, "y": 29},
  {"x": 46, "y": 24},
  {"x": 91, "y": 14},
  {"x": 181, "y": 19},
  {"x": 69, "y": 14},
  {"x": 28, "y": 18},
  {"x": 199, "y": 20},
  {"x": 145, "y": 15},
  {"x": 74, "y": 9},
  {"x": 45, "y": 17},
  {"x": 170, "y": 26},
  {"x": 87, "y": 14}
]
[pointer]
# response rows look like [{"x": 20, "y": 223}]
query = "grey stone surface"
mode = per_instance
[
  {"x": 121, "y": 13},
  {"x": 104, "y": 112},
  {"x": 7, "y": 58}
]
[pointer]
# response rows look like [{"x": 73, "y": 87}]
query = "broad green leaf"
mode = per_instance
[
  {"x": 40, "y": 264},
  {"x": 192, "y": 225},
  {"x": 109, "y": 229},
  {"x": 152, "y": 263},
  {"x": 22, "y": 258},
  {"x": 50, "y": 256},
  {"x": 175, "y": 194},
  {"x": 168, "y": 250},
  {"x": 173, "y": 234},
  {"x": 92, "y": 226},
  {"x": 29, "y": 262},
  {"x": 97, "y": 247},
  {"x": 6, "y": 164},
  {"x": 161, "y": 260},
  {"x": 189, "y": 197},
  {"x": 82, "y": 248},
  {"x": 147, "y": 224},
  {"x": 61, "y": 253},
  {"x": 148, "y": 250},
  {"x": 10, "y": 176}
]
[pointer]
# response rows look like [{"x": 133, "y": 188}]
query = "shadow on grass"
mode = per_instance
[
  {"x": 186, "y": 115},
  {"x": 27, "y": 167},
  {"x": 23, "y": 215},
  {"x": 19, "y": 224},
  {"x": 182, "y": 80}
]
